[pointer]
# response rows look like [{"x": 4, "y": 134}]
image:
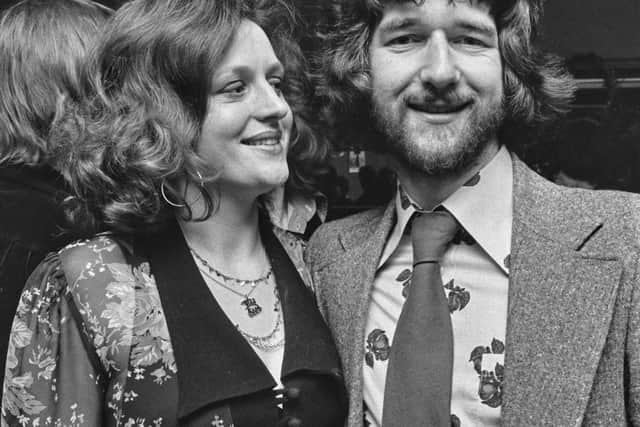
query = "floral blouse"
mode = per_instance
[{"x": 91, "y": 345}]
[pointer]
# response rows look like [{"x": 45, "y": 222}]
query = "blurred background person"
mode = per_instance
[
  {"x": 578, "y": 154},
  {"x": 42, "y": 44},
  {"x": 368, "y": 177},
  {"x": 193, "y": 153}
]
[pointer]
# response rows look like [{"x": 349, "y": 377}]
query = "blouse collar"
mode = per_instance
[{"x": 291, "y": 210}]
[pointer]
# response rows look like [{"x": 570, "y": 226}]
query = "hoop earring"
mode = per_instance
[
  {"x": 201, "y": 178},
  {"x": 166, "y": 199}
]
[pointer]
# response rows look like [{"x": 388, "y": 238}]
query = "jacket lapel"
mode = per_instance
[
  {"x": 308, "y": 342},
  {"x": 563, "y": 280},
  {"x": 214, "y": 362},
  {"x": 351, "y": 270}
]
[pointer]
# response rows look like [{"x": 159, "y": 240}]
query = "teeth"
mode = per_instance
[
  {"x": 262, "y": 141},
  {"x": 440, "y": 108}
]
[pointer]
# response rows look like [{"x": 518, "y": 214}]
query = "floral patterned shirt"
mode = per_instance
[
  {"x": 79, "y": 354},
  {"x": 475, "y": 277}
]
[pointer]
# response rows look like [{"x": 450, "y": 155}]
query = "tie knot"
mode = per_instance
[{"x": 431, "y": 232}]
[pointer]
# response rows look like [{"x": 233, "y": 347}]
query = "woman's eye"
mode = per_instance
[
  {"x": 235, "y": 88},
  {"x": 276, "y": 83}
]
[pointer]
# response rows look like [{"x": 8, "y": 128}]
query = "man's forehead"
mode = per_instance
[
  {"x": 489, "y": 5},
  {"x": 400, "y": 14}
]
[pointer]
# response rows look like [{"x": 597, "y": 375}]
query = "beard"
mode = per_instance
[{"x": 438, "y": 149}]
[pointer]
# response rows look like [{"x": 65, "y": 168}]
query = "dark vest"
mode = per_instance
[{"x": 221, "y": 381}]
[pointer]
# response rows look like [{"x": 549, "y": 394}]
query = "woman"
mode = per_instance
[
  {"x": 194, "y": 308},
  {"x": 42, "y": 44}
]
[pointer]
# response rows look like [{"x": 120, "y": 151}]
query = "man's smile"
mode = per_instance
[{"x": 438, "y": 111}]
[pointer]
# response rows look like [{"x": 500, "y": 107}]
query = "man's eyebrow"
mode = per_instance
[
  {"x": 395, "y": 24},
  {"x": 476, "y": 26}
]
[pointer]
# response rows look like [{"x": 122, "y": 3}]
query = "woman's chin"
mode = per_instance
[
  {"x": 257, "y": 186},
  {"x": 276, "y": 177}
]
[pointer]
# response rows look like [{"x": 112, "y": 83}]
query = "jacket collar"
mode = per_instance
[
  {"x": 372, "y": 230},
  {"x": 199, "y": 329}
]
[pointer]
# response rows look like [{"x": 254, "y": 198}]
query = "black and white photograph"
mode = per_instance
[{"x": 319, "y": 213}]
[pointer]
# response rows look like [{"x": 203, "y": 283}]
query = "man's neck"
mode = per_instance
[{"x": 429, "y": 191}]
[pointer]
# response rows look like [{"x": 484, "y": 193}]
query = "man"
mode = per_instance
[{"x": 542, "y": 298}]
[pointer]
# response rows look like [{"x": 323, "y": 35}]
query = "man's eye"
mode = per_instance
[
  {"x": 404, "y": 39},
  {"x": 470, "y": 41}
]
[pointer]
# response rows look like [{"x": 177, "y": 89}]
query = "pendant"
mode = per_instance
[{"x": 252, "y": 307}]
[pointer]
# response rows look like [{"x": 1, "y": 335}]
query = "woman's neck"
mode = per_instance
[{"x": 229, "y": 239}]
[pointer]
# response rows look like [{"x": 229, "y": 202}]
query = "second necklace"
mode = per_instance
[{"x": 250, "y": 304}]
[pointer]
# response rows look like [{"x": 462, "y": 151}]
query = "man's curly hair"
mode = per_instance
[
  {"x": 538, "y": 89},
  {"x": 139, "y": 120}
]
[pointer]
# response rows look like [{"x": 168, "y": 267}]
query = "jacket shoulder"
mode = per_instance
[
  {"x": 608, "y": 220},
  {"x": 325, "y": 240}
]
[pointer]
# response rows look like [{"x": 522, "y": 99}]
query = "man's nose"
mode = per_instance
[{"x": 440, "y": 70}]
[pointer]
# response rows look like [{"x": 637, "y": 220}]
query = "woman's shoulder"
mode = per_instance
[
  {"x": 90, "y": 309},
  {"x": 85, "y": 274},
  {"x": 100, "y": 281},
  {"x": 90, "y": 258},
  {"x": 103, "y": 272}
]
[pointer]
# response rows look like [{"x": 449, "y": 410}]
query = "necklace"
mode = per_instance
[
  {"x": 269, "y": 342},
  {"x": 250, "y": 304},
  {"x": 228, "y": 279},
  {"x": 228, "y": 282}
]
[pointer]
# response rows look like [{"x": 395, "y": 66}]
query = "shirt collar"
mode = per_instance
[
  {"x": 483, "y": 206},
  {"x": 291, "y": 211}
]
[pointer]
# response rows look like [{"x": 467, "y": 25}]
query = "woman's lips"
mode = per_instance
[{"x": 263, "y": 138}]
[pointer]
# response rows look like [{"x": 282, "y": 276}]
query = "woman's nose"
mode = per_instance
[{"x": 270, "y": 104}]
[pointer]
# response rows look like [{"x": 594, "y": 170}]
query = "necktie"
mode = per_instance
[{"x": 418, "y": 384}]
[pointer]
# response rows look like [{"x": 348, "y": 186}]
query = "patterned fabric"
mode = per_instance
[
  {"x": 475, "y": 280},
  {"x": 96, "y": 356}
]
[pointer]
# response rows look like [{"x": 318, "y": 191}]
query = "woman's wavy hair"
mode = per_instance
[
  {"x": 42, "y": 44},
  {"x": 538, "y": 89},
  {"x": 147, "y": 86}
]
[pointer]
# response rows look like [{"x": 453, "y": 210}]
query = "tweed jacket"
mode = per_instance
[{"x": 573, "y": 329}]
